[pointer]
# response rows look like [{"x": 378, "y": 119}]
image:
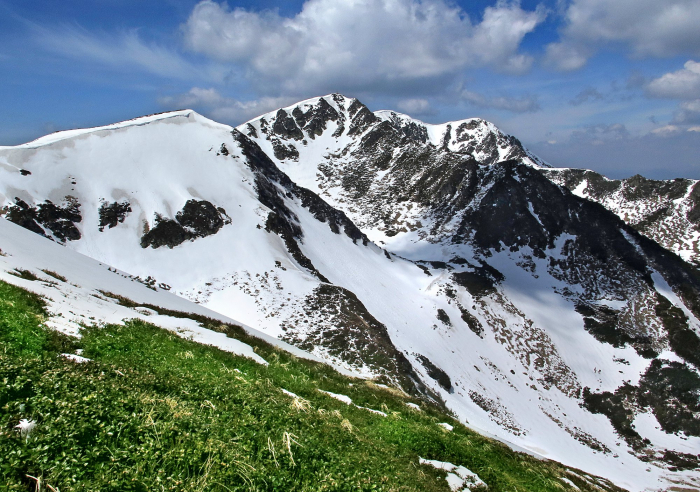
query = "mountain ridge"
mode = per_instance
[
  {"x": 481, "y": 281},
  {"x": 666, "y": 211}
]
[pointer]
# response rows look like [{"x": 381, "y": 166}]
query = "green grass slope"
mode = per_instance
[{"x": 152, "y": 411}]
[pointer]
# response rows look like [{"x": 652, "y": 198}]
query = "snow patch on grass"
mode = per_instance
[
  {"x": 345, "y": 399},
  {"x": 76, "y": 358},
  {"x": 458, "y": 478},
  {"x": 348, "y": 401}
]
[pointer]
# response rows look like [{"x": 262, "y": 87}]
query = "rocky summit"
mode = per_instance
[{"x": 552, "y": 309}]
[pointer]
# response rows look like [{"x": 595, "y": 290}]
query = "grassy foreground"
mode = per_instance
[{"x": 153, "y": 411}]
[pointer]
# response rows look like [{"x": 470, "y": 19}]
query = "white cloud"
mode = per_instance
[
  {"x": 642, "y": 27},
  {"x": 361, "y": 43},
  {"x": 415, "y": 107},
  {"x": 220, "y": 108},
  {"x": 688, "y": 113},
  {"x": 122, "y": 50},
  {"x": 693, "y": 106},
  {"x": 682, "y": 84},
  {"x": 666, "y": 130},
  {"x": 566, "y": 56},
  {"x": 526, "y": 104}
]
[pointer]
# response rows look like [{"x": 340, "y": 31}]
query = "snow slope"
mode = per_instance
[
  {"x": 77, "y": 290},
  {"x": 481, "y": 298}
]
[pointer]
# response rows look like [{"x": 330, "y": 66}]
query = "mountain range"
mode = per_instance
[{"x": 553, "y": 309}]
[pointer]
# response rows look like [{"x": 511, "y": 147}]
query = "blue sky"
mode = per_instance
[{"x": 610, "y": 86}]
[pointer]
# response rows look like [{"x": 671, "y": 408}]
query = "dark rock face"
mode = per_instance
[
  {"x": 361, "y": 116},
  {"x": 286, "y": 127},
  {"x": 472, "y": 322},
  {"x": 25, "y": 216},
  {"x": 314, "y": 120},
  {"x": 112, "y": 214},
  {"x": 635, "y": 188},
  {"x": 356, "y": 336},
  {"x": 694, "y": 212},
  {"x": 198, "y": 218},
  {"x": 60, "y": 220},
  {"x": 443, "y": 317},
  {"x": 605, "y": 325},
  {"x": 436, "y": 373},
  {"x": 382, "y": 137},
  {"x": 336, "y": 220},
  {"x": 283, "y": 151},
  {"x": 410, "y": 129},
  {"x": 201, "y": 218},
  {"x": 681, "y": 338},
  {"x": 669, "y": 389},
  {"x": 165, "y": 232},
  {"x": 523, "y": 209},
  {"x": 252, "y": 132},
  {"x": 415, "y": 132},
  {"x": 481, "y": 281},
  {"x": 283, "y": 221}
]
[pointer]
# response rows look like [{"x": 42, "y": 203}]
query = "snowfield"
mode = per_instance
[{"x": 510, "y": 362}]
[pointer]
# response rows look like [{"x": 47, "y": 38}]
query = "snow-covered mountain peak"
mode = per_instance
[
  {"x": 337, "y": 101},
  {"x": 361, "y": 161},
  {"x": 351, "y": 124},
  {"x": 533, "y": 314}
]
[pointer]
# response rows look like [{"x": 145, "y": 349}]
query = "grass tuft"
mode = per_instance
[
  {"x": 25, "y": 274},
  {"x": 55, "y": 275}
]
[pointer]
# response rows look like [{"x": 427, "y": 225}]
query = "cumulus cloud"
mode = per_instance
[
  {"x": 220, "y": 108},
  {"x": 682, "y": 84},
  {"x": 642, "y": 27},
  {"x": 361, "y": 43},
  {"x": 688, "y": 113},
  {"x": 527, "y": 104}
]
